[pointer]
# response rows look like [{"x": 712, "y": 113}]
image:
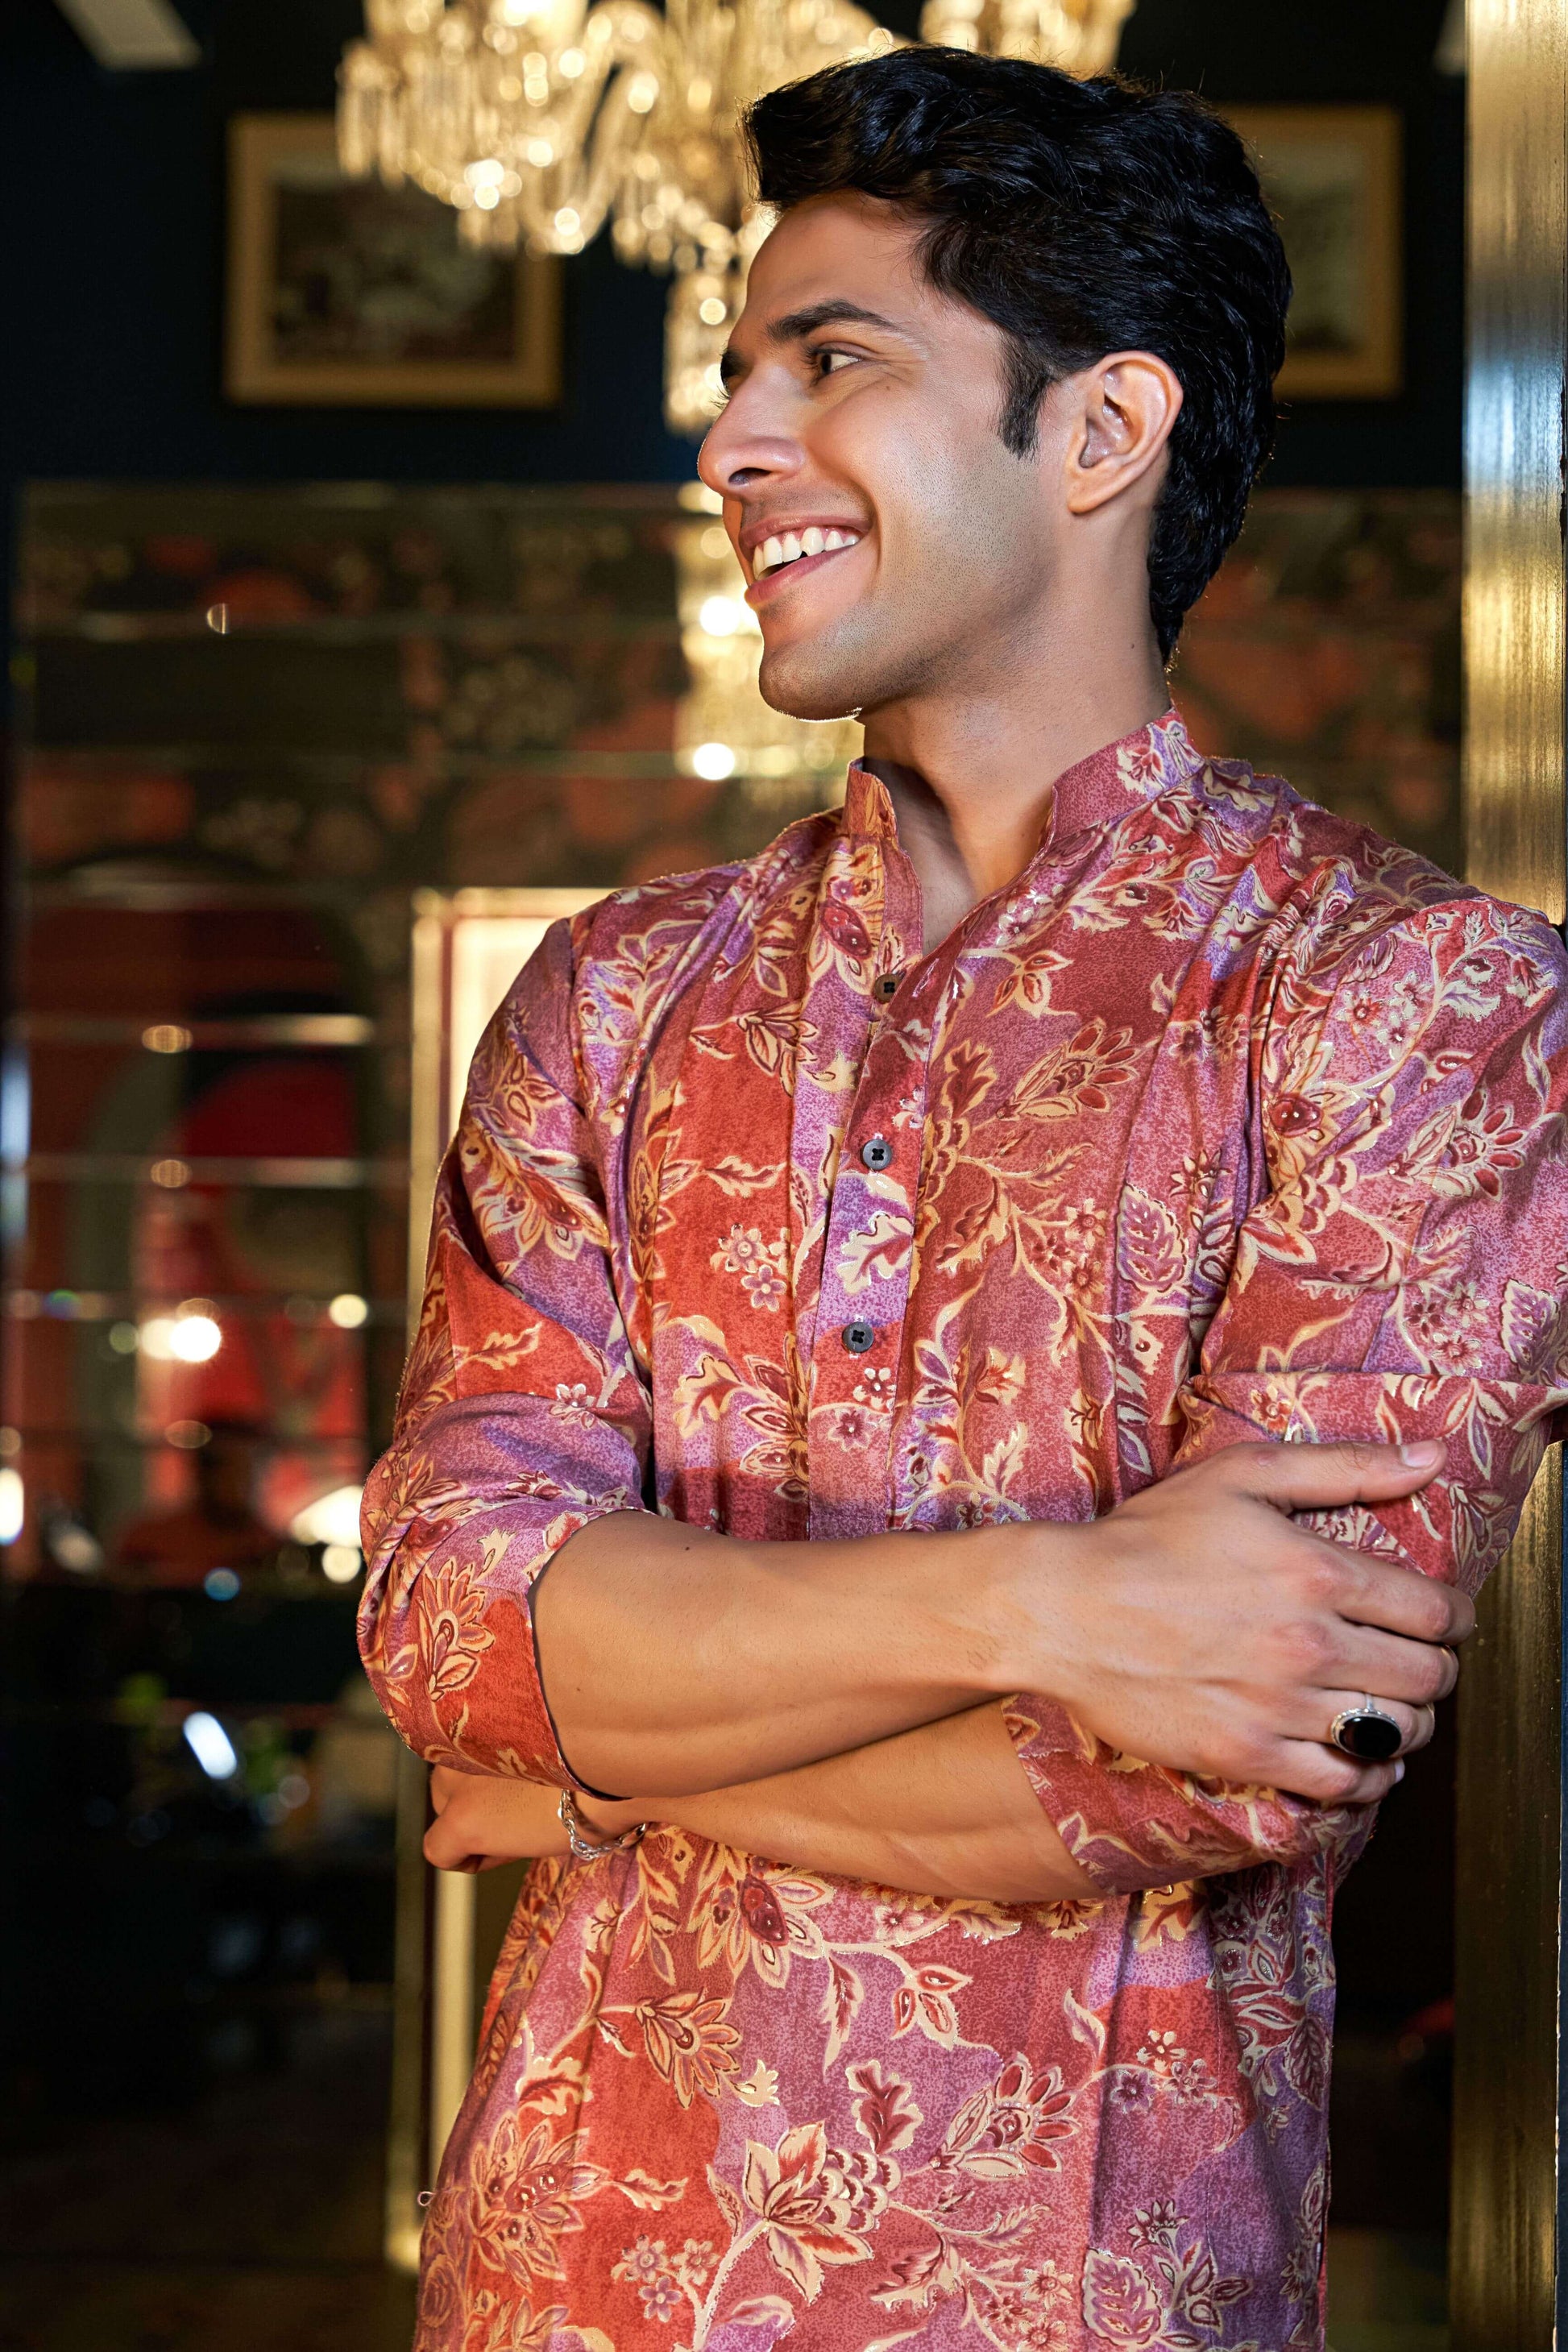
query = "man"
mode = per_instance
[{"x": 867, "y": 1291}]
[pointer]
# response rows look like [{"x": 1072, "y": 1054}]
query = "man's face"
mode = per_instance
[{"x": 866, "y": 404}]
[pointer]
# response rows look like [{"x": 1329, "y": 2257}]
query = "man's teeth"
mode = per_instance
[{"x": 788, "y": 548}]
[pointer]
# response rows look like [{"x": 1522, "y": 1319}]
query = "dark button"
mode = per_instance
[
  {"x": 889, "y": 984},
  {"x": 859, "y": 1338},
  {"x": 878, "y": 1153}
]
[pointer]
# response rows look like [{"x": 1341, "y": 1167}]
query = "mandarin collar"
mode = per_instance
[{"x": 1120, "y": 776}]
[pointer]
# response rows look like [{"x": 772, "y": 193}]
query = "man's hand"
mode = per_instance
[
  {"x": 480, "y": 1822},
  {"x": 1200, "y": 1627}
]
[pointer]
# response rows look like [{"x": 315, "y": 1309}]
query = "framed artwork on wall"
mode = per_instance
[
  {"x": 1332, "y": 177},
  {"x": 349, "y": 293}
]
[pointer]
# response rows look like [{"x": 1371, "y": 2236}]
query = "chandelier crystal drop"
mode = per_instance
[{"x": 540, "y": 120}]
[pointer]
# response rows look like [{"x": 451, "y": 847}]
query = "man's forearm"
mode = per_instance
[
  {"x": 678, "y": 1660},
  {"x": 943, "y": 1810}
]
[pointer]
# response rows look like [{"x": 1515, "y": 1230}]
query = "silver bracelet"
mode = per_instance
[{"x": 591, "y": 1849}]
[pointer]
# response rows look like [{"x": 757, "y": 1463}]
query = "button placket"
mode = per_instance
[
  {"x": 861, "y": 1310},
  {"x": 862, "y": 1291}
]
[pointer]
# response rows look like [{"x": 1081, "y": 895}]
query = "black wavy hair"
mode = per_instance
[{"x": 1080, "y": 217}]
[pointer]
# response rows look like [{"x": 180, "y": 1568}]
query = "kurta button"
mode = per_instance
[
  {"x": 889, "y": 984},
  {"x": 859, "y": 1338},
  {"x": 878, "y": 1153}
]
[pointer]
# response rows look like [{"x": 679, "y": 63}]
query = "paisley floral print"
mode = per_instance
[{"x": 1226, "y": 1120}]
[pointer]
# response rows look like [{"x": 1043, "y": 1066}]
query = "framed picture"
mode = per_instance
[
  {"x": 1332, "y": 178},
  {"x": 346, "y": 293}
]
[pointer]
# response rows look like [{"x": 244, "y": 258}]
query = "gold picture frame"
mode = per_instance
[
  {"x": 349, "y": 293},
  {"x": 1334, "y": 179}
]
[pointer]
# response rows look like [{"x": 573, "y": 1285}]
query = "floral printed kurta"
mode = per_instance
[{"x": 1226, "y": 1120}]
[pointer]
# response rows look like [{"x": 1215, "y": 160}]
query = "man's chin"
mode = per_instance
[{"x": 800, "y": 687}]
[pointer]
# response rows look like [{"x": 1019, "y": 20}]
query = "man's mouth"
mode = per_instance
[{"x": 797, "y": 547}]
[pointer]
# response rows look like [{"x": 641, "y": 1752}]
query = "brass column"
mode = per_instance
[{"x": 1504, "y": 2289}]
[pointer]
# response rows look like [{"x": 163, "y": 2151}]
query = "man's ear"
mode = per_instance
[{"x": 1125, "y": 407}]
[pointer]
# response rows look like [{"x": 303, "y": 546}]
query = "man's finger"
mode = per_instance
[
  {"x": 1319, "y": 1478},
  {"x": 442, "y": 1849},
  {"x": 1366, "y": 1590},
  {"x": 1324, "y": 1777}
]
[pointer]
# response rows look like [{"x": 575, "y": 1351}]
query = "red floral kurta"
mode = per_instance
[{"x": 1226, "y": 1119}]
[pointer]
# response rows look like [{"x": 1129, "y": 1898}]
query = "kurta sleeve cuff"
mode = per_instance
[
  {"x": 1129, "y": 1824},
  {"x": 460, "y": 1521}
]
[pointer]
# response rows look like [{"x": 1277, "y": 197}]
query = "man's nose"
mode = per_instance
[{"x": 746, "y": 446}]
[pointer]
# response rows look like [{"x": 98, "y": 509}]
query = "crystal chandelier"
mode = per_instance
[{"x": 538, "y": 120}]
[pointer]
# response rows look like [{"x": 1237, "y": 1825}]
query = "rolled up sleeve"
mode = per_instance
[
  {"x": 1403, "y": 1278},
  {"x": 523, "y": 1414}
]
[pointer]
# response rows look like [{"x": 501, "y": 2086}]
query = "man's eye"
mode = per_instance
[{"x": 833, "y": 363}]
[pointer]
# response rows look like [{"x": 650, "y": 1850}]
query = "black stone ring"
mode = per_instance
[{"x": 1366, "y": 1733}]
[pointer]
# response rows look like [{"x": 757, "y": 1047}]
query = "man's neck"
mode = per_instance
[{"x": 972, "y": 777}]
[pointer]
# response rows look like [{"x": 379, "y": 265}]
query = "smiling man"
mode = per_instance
[{"x": 840, "y": 1467}]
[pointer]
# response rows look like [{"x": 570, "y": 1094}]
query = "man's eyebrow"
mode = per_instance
[
  {"x": 794, "y": 326},
  {"x": 833, "y": 311}
]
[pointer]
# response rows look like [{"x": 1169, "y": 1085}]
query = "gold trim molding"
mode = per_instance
[{"x": 1503, "y": 2290}]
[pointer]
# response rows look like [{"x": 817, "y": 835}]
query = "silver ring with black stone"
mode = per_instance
[{"x": 1366, "y": 1732}]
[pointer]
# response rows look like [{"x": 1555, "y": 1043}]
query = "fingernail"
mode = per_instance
[
  {"x": 1421, "y": 1453},
  {"x": 1398, "y": 1774}
]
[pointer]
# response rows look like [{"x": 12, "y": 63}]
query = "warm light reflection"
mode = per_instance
[
  {"x": 332, "y": 1519},
  {"x": 195, "y": 1335},
  {"x": 192, "y": 1335}
]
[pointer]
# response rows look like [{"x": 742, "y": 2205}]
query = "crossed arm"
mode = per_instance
[
  {"x": 943, "y": 1810},
  {"x": 1197, "y": 1624}
]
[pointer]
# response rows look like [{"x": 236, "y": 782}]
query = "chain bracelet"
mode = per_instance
[{"x": 586, "y": 1848}]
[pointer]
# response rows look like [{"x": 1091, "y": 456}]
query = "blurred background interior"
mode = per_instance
[{"x": 356, "y": 569}]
